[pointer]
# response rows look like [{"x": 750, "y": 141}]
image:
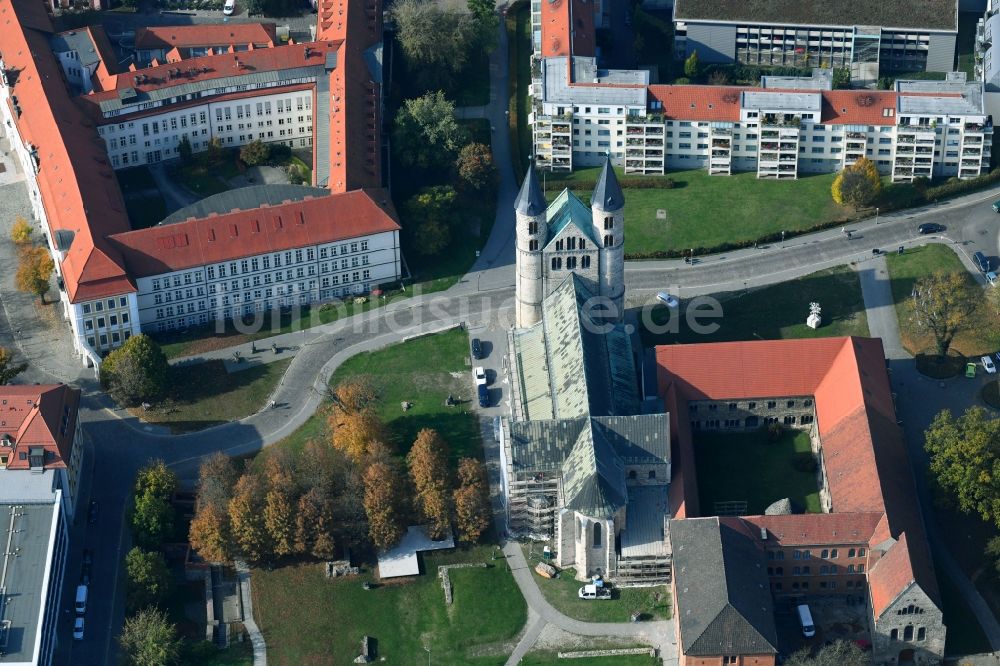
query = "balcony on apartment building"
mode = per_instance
[
  {"x": 721, "y": 143},
  {"x": 783, "y": 121}
]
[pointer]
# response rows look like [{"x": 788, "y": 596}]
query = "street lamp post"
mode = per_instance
[
  {"x": 428, "y": 651},
  {"x": 876, "y": 216}
]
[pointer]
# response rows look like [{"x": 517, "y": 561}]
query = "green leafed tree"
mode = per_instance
[
  {"x": 185, "y": 151},
  {"x": 484, "y": 13},
  {"x": 255, "y": 153},
  {"x": 149, "y": 639},
  {"x": 136, "y": 372},
  {"x": 944, "y": 305},
  {"x": 692, "y": 66},
  {"x": 426, "y": 133},
  {"x": 8, "y": 368},
  {"x": 841, "y": 77},
  {"x": 438, "y": 35},
  {"x": 965, "y": 460},
  {"x": 153, "y": 516},
  {"x": 149, "y": 579},
  {"x": 430, "y": 216}
]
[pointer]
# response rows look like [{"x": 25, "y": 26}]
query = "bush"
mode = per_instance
[
  {"x": 255, "y": 153},
  {"x": 775, "y": 430},
  {"x": 804, "y": 462},
  {"x": 953, "y": 186},
  {"x": 280, "y": 152},
  {"x": 682, "y": 81}
]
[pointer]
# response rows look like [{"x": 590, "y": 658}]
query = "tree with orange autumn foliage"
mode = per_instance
[
  {"x": 472, "y": 500},
  {"x": 351, "y": 420},
  {"x": 210, "y": 535},
  {"x": 246, "y": 517},
  {"x": 384, "y": 504},
  {"x": 280, "y": 503},
  {"x": 428, "y": 463}
]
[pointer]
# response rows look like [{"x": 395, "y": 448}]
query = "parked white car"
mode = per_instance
[
  {"x": 667, "y": 299},
  {"x": 988, "y": 365},
  {"x": 229, "y": 7},
  {"x": 480, "y": 376},
  {"x": 594, "y": 592},
  {"x": 78, "y": 629}
]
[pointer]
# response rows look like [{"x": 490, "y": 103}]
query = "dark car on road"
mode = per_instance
[
  {"x": 981, "y": 262},
  {"x": 477, "y": 349},
  {"x": 484, "y": 396},
  {"x": 88, "y": 557},
  {"x": 930, "y": 228}
]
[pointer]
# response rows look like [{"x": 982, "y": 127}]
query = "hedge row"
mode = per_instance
[
  {"x": 953, "y": 186},
  {"x": 632, "y": 182}
]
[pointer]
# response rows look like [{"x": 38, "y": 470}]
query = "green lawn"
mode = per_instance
[
  {"x": 776, "y": 312},
  {"x": 747, "y": 466},
  {"x": 310, "y": 619},
  {"x": 904, "y": 271},
  {"x": 545, "y": 658},
  {"x": 419, "y": 371},
  {"x": 200, "y": 179},
  {"x": 652, "y": 602},
  {"x": 204, "y": 394},
  {"x": 967, "y": 42},
  {"x": 706, "y": 211}
]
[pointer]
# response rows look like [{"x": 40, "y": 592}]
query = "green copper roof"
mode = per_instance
[
  {"x": 567, "y": 209},
  {"x": 569, "y": 365}
]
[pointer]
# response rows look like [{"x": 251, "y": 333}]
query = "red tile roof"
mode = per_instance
[
  {"x": 206, "y": 68},
  {"x": 859, "y": 107},
  {"x": 355, "y": 152},
  {"x": 568, "y": 28},
  {"x": 864, "y": 456},
  {"x": 720, "y": 103},
  {"x": 77, "y": 185},
  {"x": 892, "y": 574},
  {"x": 817, "y": 529},
  {"x": 192, "y": 36},
  {"x": 196, "y": 242},
  {"x": 38, "y": 415}
]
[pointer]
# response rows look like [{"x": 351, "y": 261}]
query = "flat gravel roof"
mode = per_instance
[{"x": 927, "y": 14}]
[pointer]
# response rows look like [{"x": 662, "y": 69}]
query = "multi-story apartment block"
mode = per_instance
[
  {"x": 325, "y": 95},
  {"x": 861, "y": 36},
  {"x": 180, "y": 42},
  {"x": 785, "y": 126},
  {"x": 41, "y": 447}
]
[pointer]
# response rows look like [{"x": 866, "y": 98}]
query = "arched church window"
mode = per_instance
[
  {"x": 532, "y": 227},
  {"x": 609, "y": 240},
  {"x": 585, "y": 261},
  {"x": 609, "y": 222},
  {"x": 597, "y": 543},
  {"x": 556, "y": 263},
  {"x": 533, "y": 245}
]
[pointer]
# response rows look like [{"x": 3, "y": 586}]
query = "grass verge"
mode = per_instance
[
  {"x": 726, "y": 473},
  {"x": 904, "y": 271},
  {"x": 422, "y": 371},
  {"x": 652, "y": 602},
  {"x": 775, "y": 312},
  {"x": 204, "y": 395},
  {"x": 310, "y": 619}
]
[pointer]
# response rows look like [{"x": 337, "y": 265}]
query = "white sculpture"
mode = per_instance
[{"x": 815, "y": 317}]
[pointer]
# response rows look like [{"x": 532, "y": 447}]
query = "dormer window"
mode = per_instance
[{"x": 36, "y": 458}]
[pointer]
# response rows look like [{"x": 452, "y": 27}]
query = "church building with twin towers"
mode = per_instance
[{"x": 564, "y": 237}]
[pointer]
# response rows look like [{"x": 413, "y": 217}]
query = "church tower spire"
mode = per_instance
[
  {"x": 531, "y": 232},
  {"x": 607, "y": 205}
]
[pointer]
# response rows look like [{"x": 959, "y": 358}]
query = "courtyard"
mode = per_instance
[{"x": 737, "y": 467}]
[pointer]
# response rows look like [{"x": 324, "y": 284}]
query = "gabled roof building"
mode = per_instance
[{"x": 215, "y": 85}]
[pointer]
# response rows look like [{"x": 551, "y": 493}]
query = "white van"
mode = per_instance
[
  {"x": 81, "y": 599},
  {"x": 806, "y": 621}
]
